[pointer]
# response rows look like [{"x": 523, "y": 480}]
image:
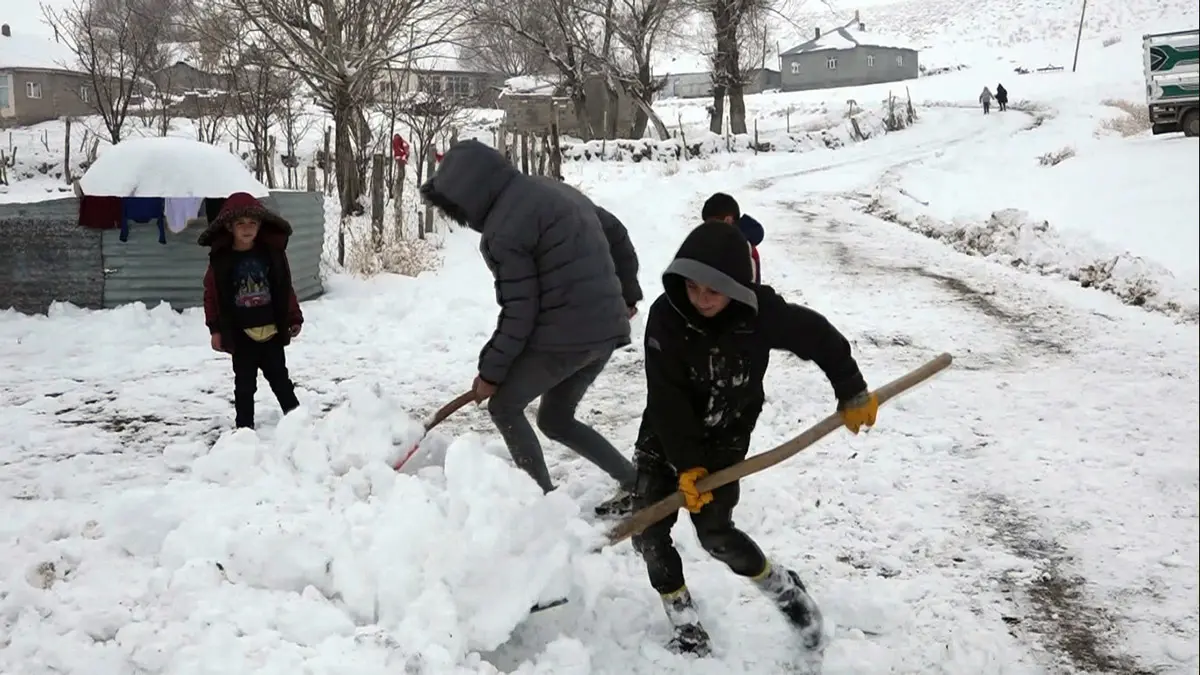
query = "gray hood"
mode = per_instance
[{"x": 468, "y": 181}]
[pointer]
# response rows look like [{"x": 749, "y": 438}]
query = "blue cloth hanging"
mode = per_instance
[{"x": 143, "y": 210}]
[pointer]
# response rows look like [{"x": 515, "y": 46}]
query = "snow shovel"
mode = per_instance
[
  {"x": 442, "y": 413},
  {"x": 751, "y": 465}
]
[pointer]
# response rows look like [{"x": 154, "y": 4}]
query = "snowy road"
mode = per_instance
[{"x": 1033, "y": 510}]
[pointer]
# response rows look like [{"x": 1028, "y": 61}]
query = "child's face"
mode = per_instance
[
  {"x": 707, "y": 301},
  {"x": 244, "y": 229}
]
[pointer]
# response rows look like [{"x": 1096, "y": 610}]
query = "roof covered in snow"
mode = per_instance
[
  {"x": 168, "y": 167},
  {"x": 35, "y": 51},
  {"x": 845, "y": 38}
]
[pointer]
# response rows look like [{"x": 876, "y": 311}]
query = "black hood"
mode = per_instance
[
  {"x": 715, "y": 254},
  {"x": 468, "y": 181}
]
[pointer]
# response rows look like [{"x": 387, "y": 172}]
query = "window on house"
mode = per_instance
[
  {"x": 33, "y": 89},
  {"x": 795, "y": 68},
  {"x": 870, "y": 60},
  {"x": 83, "y": 93},
  {"x": 429, "y": 84},
  {"x": 458, "y": 85},
  {"x": 900, "y": 60},
  {"x": 832, "y": 63},
  {"x": 4, "y": 100}
]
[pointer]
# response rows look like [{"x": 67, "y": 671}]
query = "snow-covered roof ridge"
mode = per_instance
[
  {"x": 168, "y": 166},
  {"x": 849, "y": 36},
  {"x": 35, "y": 51}
]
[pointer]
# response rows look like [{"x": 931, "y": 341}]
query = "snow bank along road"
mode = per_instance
[{"x": 1031, "y": 511}]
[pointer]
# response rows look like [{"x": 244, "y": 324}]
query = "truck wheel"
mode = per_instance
[{"x": 1191, "y": 123}]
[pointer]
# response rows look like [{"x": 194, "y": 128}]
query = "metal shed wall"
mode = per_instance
[
  {"x": 45, "y": 257},
  {"x": 143, "y": 270}
]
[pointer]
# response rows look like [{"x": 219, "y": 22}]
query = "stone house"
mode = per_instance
[
  {"x": 846, "y": 56},
  {"x": 39, "y": 80}
]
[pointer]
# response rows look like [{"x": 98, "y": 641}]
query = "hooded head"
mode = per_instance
[
  {"x": 712, "y": 278},
  {"x": 467, "y": 183},
  {"x": 272, "y": 231}
]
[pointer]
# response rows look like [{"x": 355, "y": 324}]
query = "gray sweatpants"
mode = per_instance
[{"x": 561, "y": 379}]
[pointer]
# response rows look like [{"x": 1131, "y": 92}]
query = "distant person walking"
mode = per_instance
[
  {"x": 1001, "y": 97},
  {"x": 985, "y": 98}
]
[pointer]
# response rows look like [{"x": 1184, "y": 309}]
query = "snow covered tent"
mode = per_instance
[{"x": 48, "y": 257}]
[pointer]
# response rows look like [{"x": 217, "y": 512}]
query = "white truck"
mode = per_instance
[{"x": 1172, "y": 65}]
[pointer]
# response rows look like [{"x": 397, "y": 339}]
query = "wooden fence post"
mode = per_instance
[
  {"x": 310, "y": 179},
  {"x": 398, "y": 199},
  {"x": 377, "y": 195},
  {"x": 426, "y": 225}
]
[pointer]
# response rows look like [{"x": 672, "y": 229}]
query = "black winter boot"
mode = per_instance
[
  {"x": 690, "y": 637},
  {"x": 783, "y": 586},
  {"x": 618, "y": 506}
]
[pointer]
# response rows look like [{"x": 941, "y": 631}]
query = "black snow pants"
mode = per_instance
[
  {"x": 714, "y": 528},
  {"x": 249, "y": 357}
]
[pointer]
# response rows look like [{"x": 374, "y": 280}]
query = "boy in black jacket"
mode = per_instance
[{"x": 708, "y": 342}]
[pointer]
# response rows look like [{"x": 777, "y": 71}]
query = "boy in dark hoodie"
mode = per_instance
[
  {"x": 725, "y": 208},
  {"x": 250, "y": 305},
  {"x": 708, "y": 343}
]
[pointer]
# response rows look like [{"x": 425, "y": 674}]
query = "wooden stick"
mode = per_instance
[
  {"x": 751, "y": 465},
  {"x": 438, "y": 417}
]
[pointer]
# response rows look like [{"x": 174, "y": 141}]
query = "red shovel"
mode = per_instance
[{"x": 442, "y": 413}]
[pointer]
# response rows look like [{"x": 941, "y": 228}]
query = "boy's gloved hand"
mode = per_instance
[
  {"x": 859, "y": 411},
  {"x": 693, "y": 498}
]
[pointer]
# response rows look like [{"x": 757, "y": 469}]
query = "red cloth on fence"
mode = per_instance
[{"x": 100, "y": 213}]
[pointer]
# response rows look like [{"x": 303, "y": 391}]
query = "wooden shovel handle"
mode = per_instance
[
  {"x": 656, "y": 512},
  {"x": 449, "y": 409}
]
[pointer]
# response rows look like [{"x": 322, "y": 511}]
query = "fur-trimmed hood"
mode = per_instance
[{"x": 273, "y": 231}]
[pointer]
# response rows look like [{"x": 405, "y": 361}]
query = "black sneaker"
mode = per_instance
[{"x": 618, "y": 506}]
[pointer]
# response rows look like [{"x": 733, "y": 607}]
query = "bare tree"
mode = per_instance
[
  {"x": 728, "y": 19},
  {"x": 568, "y": 32},
  {"x": 116, "y": 44},
  {"x": 639, "y": 26},
  {"x": 492, "y": 50},
  {"x": 338, "y": 48},
  {"x": 296, "y": 123},
  {"x": 429, "y": 116},
  {"x": 260, "y": 93}
]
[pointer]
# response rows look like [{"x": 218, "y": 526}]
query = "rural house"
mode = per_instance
[
  {"x": 847, "y": 56},
  {"x": 531, "y": 104},
  {"x": 442, "y": 74},
  {"x": 38, "y": 80},
  {"x": 699, "y": 84}
]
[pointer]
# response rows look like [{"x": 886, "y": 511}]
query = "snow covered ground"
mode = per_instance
[
  {"x": 1035, "y": 505},
  {"x": 1036, "y": 509}
]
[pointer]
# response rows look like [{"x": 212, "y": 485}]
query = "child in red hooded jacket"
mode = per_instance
[{"x": 250, "y": 304}]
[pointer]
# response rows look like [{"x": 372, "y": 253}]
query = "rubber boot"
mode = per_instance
[
  {"x": 689, "y": 636},
  {"x": 784, "y": 588}
]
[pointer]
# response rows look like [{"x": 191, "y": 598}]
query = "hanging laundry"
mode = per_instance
[
  {"x": 143, "y": 210},
  {"x": 179, "y": 210},
  {"x": 100, "y": 213},
  {"x": 212, "y": 207}
]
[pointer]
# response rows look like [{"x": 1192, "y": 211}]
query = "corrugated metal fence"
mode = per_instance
[{"x": 46, "y": 257}]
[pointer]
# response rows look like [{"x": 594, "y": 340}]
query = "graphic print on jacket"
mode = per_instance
[{"x": 704, "y": 376}]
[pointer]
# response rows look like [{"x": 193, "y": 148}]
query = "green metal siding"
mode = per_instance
[{"x": 143, "y": 270}]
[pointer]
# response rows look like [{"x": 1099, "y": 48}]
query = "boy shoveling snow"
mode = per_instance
[{"x": 708, "y": 343}]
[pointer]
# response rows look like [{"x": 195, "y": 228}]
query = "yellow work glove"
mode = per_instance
[
  {"x": 693, "y": 498},
  {"x": 860, "y": 411}
]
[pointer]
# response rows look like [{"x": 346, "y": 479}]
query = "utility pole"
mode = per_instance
[{"x": 1079, "y": 36}]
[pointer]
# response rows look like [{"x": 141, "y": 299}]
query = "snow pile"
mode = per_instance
[
  {"x": 168, "y": 167},
  {"x": 838, "y": 132},
  {"x": 1011, "y": 237},
  {"x": 305, "y": 554}
]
